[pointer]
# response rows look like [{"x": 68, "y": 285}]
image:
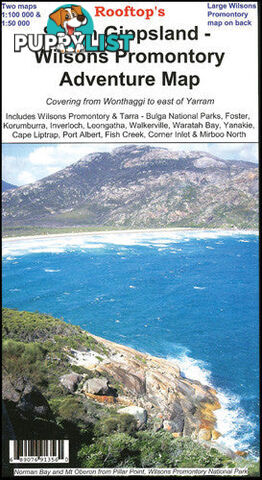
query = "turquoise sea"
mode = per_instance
[{"x": 191, "y": 296}]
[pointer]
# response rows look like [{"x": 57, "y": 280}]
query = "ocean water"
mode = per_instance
[{"x": 190, "y": 296}]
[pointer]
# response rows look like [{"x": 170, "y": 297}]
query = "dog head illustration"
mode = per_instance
[{"x": 69, "y": 18}]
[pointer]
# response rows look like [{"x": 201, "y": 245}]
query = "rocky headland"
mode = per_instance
[
  {"x": 150, "y": 387},
  {"x": 49, "y": 365},
  {"x": 118, "y": 407}
]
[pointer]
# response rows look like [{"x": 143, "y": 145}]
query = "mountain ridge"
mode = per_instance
[
  {"x": 7, "y": 186},
  {"x": 138, "y": 186}
]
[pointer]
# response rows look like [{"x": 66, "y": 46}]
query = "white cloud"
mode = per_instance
[
  {"x": 235, "y": 151},
  {"x": 43, "y": 156},
  {"x": 228, "y": 151},
  {"x": 44, "y": 161},
  {"x": 11, "y": 167},
  {"x": 25, "y": 177},
  {"x": 51, "y": 170},
  {"x": 187, "y": 147},
  {"x": 248, "y": 154}
]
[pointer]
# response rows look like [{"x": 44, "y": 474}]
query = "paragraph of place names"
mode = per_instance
[{"x": 128, "y": 120}]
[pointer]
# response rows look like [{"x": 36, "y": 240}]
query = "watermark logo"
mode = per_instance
[
  {"x": 70, "y": 28},
  {"x": 70, "y": 21}
]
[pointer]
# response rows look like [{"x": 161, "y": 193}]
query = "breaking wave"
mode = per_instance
[
  {"x": 236, "y": 428},
  {"x": 74, "y": 242}
]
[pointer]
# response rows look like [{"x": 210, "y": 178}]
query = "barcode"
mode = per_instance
[{"x": 37, "y": 451}]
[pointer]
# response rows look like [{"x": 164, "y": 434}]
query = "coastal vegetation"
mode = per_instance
[
  {"x": 48, "y": 390},
  {"x": 15, "y": 231}
]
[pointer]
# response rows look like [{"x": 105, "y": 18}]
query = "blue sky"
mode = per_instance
[{"x": 26, "y": 163}]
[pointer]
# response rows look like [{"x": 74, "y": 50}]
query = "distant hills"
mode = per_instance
[
  {"x": 139, "y": 186},
  {"x": 7, "y": 186}
]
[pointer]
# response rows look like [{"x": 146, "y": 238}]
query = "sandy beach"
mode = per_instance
[{"x": 120, "y": 232}]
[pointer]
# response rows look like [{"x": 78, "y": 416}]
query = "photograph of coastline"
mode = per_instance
[{"x": 130, "y": 295}]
